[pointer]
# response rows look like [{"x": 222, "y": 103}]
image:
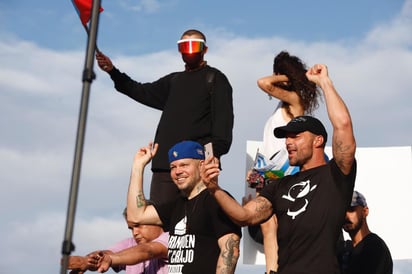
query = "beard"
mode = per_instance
[{"x": 352, "y": 228}]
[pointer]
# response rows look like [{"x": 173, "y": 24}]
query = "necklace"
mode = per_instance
[{"x": 190, "y": 207}]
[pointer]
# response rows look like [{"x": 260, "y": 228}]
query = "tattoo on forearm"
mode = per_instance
[
  {"x": 140, "y": 200},
  {"x": 262, "y": 207},
  {"x": 230, "y": 255},
  {"x": 343, "y": 154}
]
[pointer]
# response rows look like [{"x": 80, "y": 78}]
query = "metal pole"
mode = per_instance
[{"x": 88, "y": 76}]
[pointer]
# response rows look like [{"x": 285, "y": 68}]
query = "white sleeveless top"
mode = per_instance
[
  {"x": 274, "y": 156},
  {"x": 271, "y": 144}
]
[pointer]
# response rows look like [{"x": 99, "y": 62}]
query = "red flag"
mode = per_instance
[{"x": 84, "y": 9}]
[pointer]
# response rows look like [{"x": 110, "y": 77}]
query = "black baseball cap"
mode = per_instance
[{"x": 300, "y": 124}]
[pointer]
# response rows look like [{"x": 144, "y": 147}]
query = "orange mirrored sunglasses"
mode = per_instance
[{"x": 192, "y": 45}]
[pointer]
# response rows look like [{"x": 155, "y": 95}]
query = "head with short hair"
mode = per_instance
[
  {"x": 194, "y": 32},
  {"x": 143, "y": 233}
]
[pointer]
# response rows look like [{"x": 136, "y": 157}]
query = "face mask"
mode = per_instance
[{"x": 192, "y": 60}]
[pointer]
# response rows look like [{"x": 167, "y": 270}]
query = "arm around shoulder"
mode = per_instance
[{"x": 254, "y": 212}]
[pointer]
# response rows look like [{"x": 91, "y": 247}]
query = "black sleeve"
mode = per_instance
[
  {"x": 222, "y": 115},
  {"x": 165, "y": 211},
  {"x": 153, "y": 94},
  {"x": 345, "y": 183}
]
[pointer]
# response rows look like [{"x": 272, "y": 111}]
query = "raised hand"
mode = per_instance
[{"x": 209, "y": 172}]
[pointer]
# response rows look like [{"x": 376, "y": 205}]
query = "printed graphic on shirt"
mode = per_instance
[
  {"x": 296, "y": 195},
  {"x": 181, "y": 248}
]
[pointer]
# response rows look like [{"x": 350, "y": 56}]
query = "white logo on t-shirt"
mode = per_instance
[
  {"x": 180, "y": 228},
  {"x": 296, "y": 192}
]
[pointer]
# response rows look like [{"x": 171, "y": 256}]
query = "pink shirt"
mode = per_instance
[{"x": 153, "y": 266}]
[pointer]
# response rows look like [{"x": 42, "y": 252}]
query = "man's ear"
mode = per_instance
[
  {"x": 319, "y": 141},
  {"x": 365, "y": 211}
]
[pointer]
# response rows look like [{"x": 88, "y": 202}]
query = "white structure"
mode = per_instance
[{"x": 384, "y": 176}]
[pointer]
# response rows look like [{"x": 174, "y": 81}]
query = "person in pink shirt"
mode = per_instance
[{"x": 145, "y": 252}]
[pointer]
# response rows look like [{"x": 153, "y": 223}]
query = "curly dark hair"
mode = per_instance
[{"x": 295, "y": 70}]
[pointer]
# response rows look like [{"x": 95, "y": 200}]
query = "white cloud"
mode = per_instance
[
  {"x": 38, "y": 71},
  {"x": 396, "y": 33}
]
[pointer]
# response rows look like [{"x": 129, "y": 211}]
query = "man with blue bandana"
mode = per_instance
[{"x": 202, "y": 239}]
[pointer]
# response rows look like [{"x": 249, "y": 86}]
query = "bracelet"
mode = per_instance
[{"x": 271, "y": 272}]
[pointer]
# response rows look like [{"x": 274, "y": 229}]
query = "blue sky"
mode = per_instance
[{"x": 367, "y": 46}]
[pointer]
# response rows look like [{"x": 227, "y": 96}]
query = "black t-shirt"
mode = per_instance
[
  {"x": 310, "y": 207},
  {"x": 195, "y": 226},
  {"x": 371, "y": 255}
]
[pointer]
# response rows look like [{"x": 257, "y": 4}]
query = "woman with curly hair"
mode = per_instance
[{"x": 298, "y": 96}]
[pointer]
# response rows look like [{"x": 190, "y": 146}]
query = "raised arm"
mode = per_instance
[
  {"x": 343, "y": 140},
  {"x": 229, "y": 253},
  {"x": 254, "y": 212},
  {"x": 137, "y": 209},
  {"x": 271, "y": 85}
]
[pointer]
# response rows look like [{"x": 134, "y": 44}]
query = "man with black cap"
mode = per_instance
[
  {"x": 369, "y": 254},
  {"x": 311, "y": 204},
  {"x": 202, "y": 239}
]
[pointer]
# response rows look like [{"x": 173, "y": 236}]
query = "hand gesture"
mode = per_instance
[
  {"x": 144, "y": 155},
  {"x": 317, "y": 73},
  {"x": 78, "y": 264},
  {"x": 104, "y": 263}
]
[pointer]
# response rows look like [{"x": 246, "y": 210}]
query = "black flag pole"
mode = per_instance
[
  {"x": 88, "y": 76},
  {"x": 88, "y": 34}
]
